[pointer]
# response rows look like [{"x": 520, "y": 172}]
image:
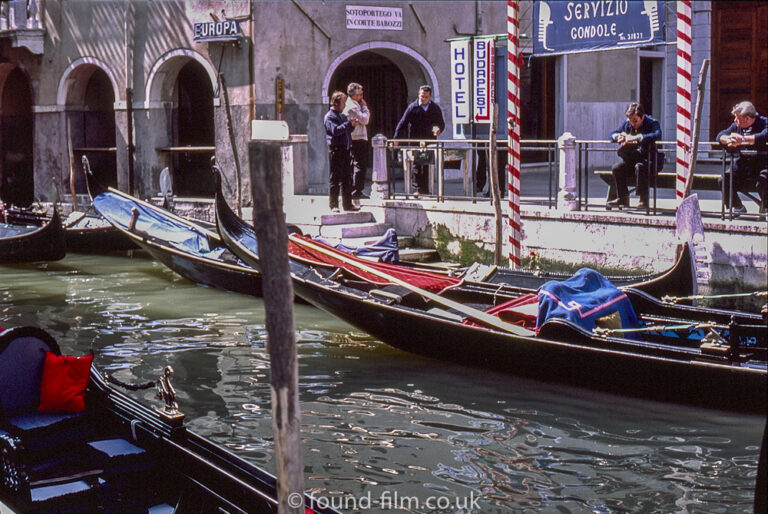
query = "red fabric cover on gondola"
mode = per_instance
[
  {"x": 62, "y": 388},
  {"x": 430, "y": 281},
  {"x": 517, "y": 311}
]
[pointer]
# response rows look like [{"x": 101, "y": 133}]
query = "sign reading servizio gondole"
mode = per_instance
[
  {"x": 227, "y": 30},
  {"x": 566, "y": 27},
  {"x": 369, "y": 17}
]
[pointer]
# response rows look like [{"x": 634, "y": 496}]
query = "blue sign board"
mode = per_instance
[{"x": 565, "y": 27}]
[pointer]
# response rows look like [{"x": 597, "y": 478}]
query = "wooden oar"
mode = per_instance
[{"x": 478, "y": 315}]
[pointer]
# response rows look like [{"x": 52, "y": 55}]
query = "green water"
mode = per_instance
[{"x": 384, "y": 430}]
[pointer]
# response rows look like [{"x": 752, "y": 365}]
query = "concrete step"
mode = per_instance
[
  {"x": 345, "y": 218},
  {"x": 357, "y": 242},
  {"x": 419, "y": 255},
  {"x": 374, "y": 230}
]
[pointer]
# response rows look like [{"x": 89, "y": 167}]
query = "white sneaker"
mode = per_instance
[
  {"x": 335, "y": 210},
  {"x": 737, "y": 211}
]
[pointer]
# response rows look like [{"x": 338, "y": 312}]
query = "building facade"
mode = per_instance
[{"x": 138, "y": 86}]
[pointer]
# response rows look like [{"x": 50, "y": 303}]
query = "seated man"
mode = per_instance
[
  {"x": 637, "y": 139},
  {"x": 747, "y": 132}
]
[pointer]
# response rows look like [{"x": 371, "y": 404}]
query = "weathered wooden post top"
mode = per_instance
[{"x": 266, "y": 156}]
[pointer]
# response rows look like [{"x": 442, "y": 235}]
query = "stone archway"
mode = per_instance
[
  {"x": 17, "y": 185},
  {"x": 181, "y": 96},
  {"x": 88, "y": 97},
  {"x": 391, "y": 75}
]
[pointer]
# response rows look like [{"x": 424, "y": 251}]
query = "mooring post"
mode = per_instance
[
  {"x": 379, "y": 178},
  {"x": 269, "y": 223}
]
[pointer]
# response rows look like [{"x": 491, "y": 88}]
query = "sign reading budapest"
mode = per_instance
[{"x": 566, "y": 27}]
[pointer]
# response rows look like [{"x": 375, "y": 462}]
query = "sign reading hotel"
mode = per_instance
[
  {"x": 482, "y": 76},
  {"x": 227, "y": 30},
  {"x": 565, "y": 27},
  {"x": 472, "y": 79},
  {"x": 460, "y": 64},
  {"x": 367, "y": 17}
]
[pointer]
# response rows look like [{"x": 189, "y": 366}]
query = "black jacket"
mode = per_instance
[{"x": 417, "y": 123}]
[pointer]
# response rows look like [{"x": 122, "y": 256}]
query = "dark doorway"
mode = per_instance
[
  {"x": 93, "y": 132},
  {"x": 537, "y": 104},
  {"x": 385, "y": 89},
  {"x": 193, "y": 127},
  {"x": 16, "y": 162},
  {"x": 739, "y": 59}
]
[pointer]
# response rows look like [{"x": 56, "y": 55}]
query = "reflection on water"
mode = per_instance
[{"x": 382, "y": 424}]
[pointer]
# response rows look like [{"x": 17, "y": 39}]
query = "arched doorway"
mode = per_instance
[
  {"x": 16, "y": 140},
  {"x": 92, "y": 128},
  {"x": 384, "y": 84},
  {"x": 193, "y": 126}
]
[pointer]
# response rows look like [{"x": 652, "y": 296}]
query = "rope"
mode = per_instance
[
  {"x": 674, "y": 299},
  {"x": 604, "y": 332},
  {"x": 131, "y": 387}
]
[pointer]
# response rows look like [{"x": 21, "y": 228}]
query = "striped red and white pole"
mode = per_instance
[
  {"x": 513, "y": 132},
  {"x": 683, "y": 151}
]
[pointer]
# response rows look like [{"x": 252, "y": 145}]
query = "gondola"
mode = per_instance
[
  {"x": 21, "y": 242},
  {"x": 679, "y": 280},
  {"x": 708, "y": 357},
  {"x": 104, "y": 451},
  {"x": 91, "y": 233},
  {"x": 84, "y": 232},
  {"x": 188, "y": 248}
]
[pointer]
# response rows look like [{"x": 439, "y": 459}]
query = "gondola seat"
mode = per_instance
[
  {"x": 38, "y": 446},
  {"x": 21, "y": 370}
]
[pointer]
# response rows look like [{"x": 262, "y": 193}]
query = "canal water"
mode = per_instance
[{"x": 384, "y": 430}]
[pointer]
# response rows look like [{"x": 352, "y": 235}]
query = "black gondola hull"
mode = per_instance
[
  {"x": 574, "y": 360},
  {"x": 46, "y": 243}
]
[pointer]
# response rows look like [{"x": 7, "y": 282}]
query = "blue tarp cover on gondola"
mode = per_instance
[
  {"x": 385, "y": 249},
  {"x": 585, "y": 298},
  {"x": 151, "y": 223}
]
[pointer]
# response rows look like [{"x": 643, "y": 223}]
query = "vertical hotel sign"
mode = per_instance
[
  {"x": 483, "y": 78},
  {"x": 460, "y": 68},
  {"x": 472, "y": 79}
]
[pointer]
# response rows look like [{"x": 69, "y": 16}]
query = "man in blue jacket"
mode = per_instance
[
  {"x": 637, "y": 138},
  {"x": 747, "y": 132},
  {"x": 338, "y": 130},
  {"x": 423, "y": 119}
]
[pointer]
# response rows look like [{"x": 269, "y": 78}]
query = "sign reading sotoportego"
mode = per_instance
[
  {"x": 369, "y": 17},
  {"x": 565, "y": 27}
]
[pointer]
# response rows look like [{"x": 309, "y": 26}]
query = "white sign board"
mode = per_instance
[
  {"x": 460, "y": 80},
  {"x": 483, "y": 78},
  {"x": 368, "y": 17}
]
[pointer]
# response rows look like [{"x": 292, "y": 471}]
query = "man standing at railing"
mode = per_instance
[
  {"x": 423, "y": 119},
  {"x": 637, "y": 138},
  {"x": 357, "y": 108},
  {"x": 747, "y": 132}
]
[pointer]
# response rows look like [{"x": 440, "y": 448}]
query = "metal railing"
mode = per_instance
[
  {"x": 463, "y": 156},
  {"x": 714, "y": 149}
]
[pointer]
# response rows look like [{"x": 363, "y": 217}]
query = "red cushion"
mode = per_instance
[{"x": 62, "y": 388}]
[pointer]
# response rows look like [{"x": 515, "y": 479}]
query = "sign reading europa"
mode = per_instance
[
  {"x": 227, "y": 30},
  {"x": 368, "y": 17},
  {"x": 566, "y": 27}
]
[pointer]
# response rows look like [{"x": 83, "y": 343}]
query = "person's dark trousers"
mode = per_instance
[
  {"x": 746, "y": 175},
  {"x": 481, "y": 171},
  {"x": 340, "y": 177},
  {"x": 630, "y": 157},
  {"x": 359, "y": 165},
  {"x": 420, "y": 178}
]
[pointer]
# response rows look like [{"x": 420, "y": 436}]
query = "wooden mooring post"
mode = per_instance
[{"x": 269, "y": 223}]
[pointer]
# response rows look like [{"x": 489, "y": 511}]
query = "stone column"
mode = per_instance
[
  {"x": 566, "y": 199},
  {"x": 380, "y": 178}
]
